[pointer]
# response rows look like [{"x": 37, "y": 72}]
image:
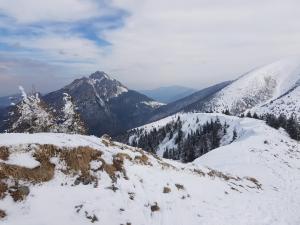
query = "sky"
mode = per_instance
[{"x": 143, "y": 43}]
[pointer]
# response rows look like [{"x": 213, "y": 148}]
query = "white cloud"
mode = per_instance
[
  {"x": 192, "y": 42},
  {"x": 31, "y": 11},
  {"x": 200, "y": 42},
  {"x": 58, "y": 47}
]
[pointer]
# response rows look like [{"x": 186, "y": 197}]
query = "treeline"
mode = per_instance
[
  {"x": 150, "y": 141},
  {"x": 187, "y": 146},
  {"x": 289, "y": 124}
]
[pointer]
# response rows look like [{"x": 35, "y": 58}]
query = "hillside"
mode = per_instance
[
  {"x": 185, "y": 136},
  {"x": 198, "y": 97},
  {"x": 287, "y": 104},
  {"x": 73, "y": 179},
  {"x": 255, "y": 88},
  {"x": 6, "y": 101}
]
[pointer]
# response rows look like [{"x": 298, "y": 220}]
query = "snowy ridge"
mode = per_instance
[
  {"x": 288, "y": 104},
  {"x": 254, "y": 180},
  {"x": 190, "y": 123},
  {"x": 273, "y": 158},
  {"x": 153, "y": 104},
  {"x": 257, "y": 87}
]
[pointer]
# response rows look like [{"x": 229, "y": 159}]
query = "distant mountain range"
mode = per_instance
[
  {"x": 258, "y": 88},
  {"x": 168, "y": 94},
  {"x": 78, "y": 179},
  {"x": 107, "y": 106},
  {"x": 6, "y": 101}
]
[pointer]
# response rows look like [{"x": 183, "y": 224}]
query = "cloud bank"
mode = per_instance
[{"x": 144, "y": 43}]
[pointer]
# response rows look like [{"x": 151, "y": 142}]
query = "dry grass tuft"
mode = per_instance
[
  {"x": 166, "y": 190},
  {"x": 42, "y": 173},
  {"x": 19, "y": 193},
  {"x": 3, "y": 189},
  {"x": 155, "y": 207},
  {"x": 43, "y": 153},
  {"x": 199, "y": 172},
  {"x": 143, "y": 160},
  {"x": 117, "y": 166},
  {"x": 4, "y": 153},
  {"x": 2, "y": 214},
  {"x": 256, "y": 182},
  {"x": 78, "y": 159},
  {"x": 214, "y": 173}
]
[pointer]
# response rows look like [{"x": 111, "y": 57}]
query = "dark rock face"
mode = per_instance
[{"x": 104, "y": 104}]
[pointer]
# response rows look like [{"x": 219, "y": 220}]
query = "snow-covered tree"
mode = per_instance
[
  {"x": 31, "y": 115},
  {"x": 71, "y": 119}
]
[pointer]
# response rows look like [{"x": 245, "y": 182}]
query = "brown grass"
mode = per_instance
[
  {"x": 77, "y": 162},
  {"x": 256, "y": 182},
  {"x": 42, "y": 173},
  {"x": 155, "y": 207},
  {"x": 199, "y": 172},
  {"x": 4, "y": 153},
  {"x": 117, "y": 166},
  {"x": 3, "y": 189},
  {"x": 143, "y": 160},
  {"x": 2, "y": 214},
  {"x": 19, "y": 193},
  {"x": 215, "y": 173},
  {"x": 79, "y": 159},
  {"x": 166, "y": 190},
  {"x": 76, "y": 159}
]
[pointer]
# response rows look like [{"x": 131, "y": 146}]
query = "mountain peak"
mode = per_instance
[{"x": 100, "y": 75}]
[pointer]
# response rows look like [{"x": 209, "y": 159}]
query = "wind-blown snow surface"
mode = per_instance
[
  {"x": 207, "y": 197},
  {"x": 257, "y": 87}
]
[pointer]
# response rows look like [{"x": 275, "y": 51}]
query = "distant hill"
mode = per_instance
[
  {"x": 5, "y": 101},
  {"x": 265, "y": 86},
  {"x": 182, "y": 104},
  {"x": 168, "y": 94}
]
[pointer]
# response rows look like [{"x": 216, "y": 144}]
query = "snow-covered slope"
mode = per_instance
[
  {"x": 257, "y": 87},
  {"x": 84, "y": 179},
  {"x": 190, "y": 123},
  {"x": 271, "y": 157},
  {"x": 287, "y": 104}
]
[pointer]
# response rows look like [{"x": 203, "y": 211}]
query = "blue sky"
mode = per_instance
[{"x": 143, "y": 43}]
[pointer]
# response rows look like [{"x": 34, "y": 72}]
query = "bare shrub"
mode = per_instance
[{"x": 166, "y": 190}]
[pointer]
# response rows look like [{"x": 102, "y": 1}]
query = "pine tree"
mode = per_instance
[
  {"x": 226, "y": 112},
  {"x": 234, "y": 135},
  {"x": 293, "y": 127},
  {"x": 31, "y": 115},
  {"x": 249, "y": 114},
  {"x": 255, "y": 116},
  {"x": 166, "y": 154},
  {"x": 71, "y": 120}
]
